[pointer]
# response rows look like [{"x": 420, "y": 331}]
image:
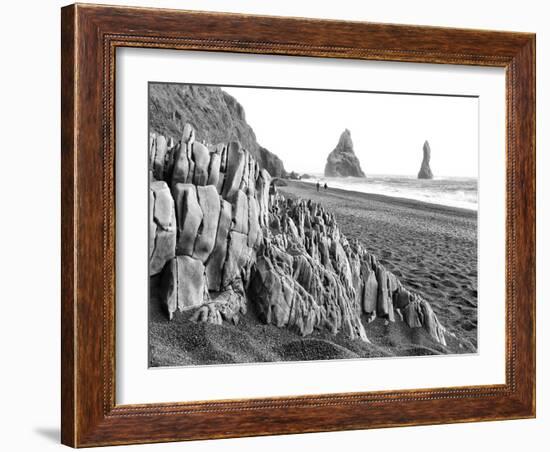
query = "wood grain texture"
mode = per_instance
[{"x": 90, "y": 36}]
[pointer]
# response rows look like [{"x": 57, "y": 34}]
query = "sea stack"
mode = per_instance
[
  {"x": 342, "y": 161},
  {"x": 425, "y": 170}
]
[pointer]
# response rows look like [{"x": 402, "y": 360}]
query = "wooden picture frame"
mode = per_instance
[{"x": 90, "y": 35}]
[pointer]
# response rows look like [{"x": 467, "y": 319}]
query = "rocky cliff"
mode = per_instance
[
  {"x": 222, "y": 240},
  {"x": 425, "y": 170},
  {"x": 215, "y": 115},
  {"x": 342, "y": 161}
]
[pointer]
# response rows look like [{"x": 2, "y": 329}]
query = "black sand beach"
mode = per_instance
[{"x": 431, "y": 248}]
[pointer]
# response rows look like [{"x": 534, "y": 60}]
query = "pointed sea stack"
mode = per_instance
[
  {"x": 425, "y": 170},
  {"x": 342, "y": 161}
]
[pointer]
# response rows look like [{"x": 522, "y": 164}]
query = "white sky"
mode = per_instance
[{"x": 388, "y": 130}]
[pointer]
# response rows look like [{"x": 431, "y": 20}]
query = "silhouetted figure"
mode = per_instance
[
  {"x": 318, "y": 185},
  {"x": 326, "y": 186}
]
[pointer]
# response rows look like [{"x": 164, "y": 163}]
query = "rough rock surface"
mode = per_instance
[
  {"x": 216, "y": 116},
  {"x": 162, "y": 226},
  {"x": 240, "y": 244},
  {"x": 425, "y": 170},
  {"x": 184, "y": 284},
  {"x": 342, "y": 161}
]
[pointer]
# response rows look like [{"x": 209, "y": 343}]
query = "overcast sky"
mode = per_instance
[{"x": 388, "y": 130}]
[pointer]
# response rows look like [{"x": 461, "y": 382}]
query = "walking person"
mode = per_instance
[
  {"x": 318, "y": 185},
  {"x": 326, "y": 186}
]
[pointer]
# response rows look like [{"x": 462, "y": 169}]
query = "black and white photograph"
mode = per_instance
[{"x": 295, "y": 225}]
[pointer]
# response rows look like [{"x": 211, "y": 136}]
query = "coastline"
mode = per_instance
[
  {"x": 452, "y": 192},
  {"x": 395, "y": 200}
]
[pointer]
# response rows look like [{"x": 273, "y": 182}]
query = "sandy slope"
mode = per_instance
[{"x": 181, "y": 342}]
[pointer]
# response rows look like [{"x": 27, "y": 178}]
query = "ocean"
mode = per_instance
[{"x": 450, "y": 191}]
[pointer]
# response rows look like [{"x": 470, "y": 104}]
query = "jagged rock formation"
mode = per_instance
[
  {"x": 425, "y": 170},
  {"x": 215, "y": 115},
  {"x": 238, "y": 243},
  {"x": 342, "y": 161}
]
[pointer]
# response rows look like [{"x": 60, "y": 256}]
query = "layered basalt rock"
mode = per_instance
[
  {"x": 219, "y": 201},
  {"x": 342, "y": 161},
  {"x": 425, "y": 170},
  {"x": 240, "y": 244}
]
